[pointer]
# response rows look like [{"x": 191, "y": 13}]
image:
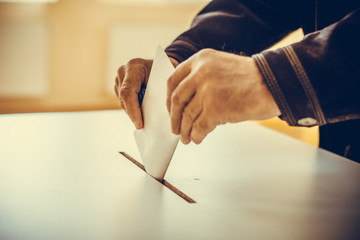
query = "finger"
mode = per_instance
[
  {"x": 180, "y": 73},
  {"x": 121, "y": 105},
  {"x": 190, "y": 114},
  {"x": 179, "y": 99},
  {"x": 131, "y": 105},
  {"x": 116, "y": 89},
  {"x": 119, "y": 78},
  {"x": 134, "y": 76},
  {"x": 174, "y": 62},
  {"x": 201, "y": 127},
  {"x": 118, "y": 82},
  {"x": 117, "y": 86}
]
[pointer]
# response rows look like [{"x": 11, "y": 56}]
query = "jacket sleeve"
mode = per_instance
[
  {"x": 317, "y": 80},
  {"x": 238, "y": 26}
]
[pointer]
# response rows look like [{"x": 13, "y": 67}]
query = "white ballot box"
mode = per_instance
[{"x": 62, "y": 177}]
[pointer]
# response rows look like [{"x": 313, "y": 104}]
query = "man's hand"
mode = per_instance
[
  {"x": 128, "y": 82},
  {"x": 212, "y": 88}
]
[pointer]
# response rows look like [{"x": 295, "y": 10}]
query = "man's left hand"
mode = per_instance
[{"x": 213, "y": 88}]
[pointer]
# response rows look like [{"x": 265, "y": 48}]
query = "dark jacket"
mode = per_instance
[{"x": 315, "y": 81}]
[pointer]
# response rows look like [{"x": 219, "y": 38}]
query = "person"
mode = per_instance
[{"x": 224, "y": 75}]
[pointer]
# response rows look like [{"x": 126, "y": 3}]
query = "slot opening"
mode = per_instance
[{"x": 163, "y": 182}]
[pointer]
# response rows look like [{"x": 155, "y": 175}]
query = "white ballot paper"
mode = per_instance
[{"x": 156, "y": 142}]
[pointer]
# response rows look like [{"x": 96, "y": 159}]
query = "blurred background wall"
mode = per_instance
[{"x": 63, "y": 55}]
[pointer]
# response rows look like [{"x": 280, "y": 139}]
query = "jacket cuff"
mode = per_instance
[
  {"x": 181, "y": 50},
  {"x": 290, "y": 86}
]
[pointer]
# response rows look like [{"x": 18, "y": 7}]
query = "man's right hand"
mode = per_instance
[{"x": 130, "y": 77}]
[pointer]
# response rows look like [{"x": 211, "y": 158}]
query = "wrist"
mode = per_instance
[{"x": 271, "y": 107}]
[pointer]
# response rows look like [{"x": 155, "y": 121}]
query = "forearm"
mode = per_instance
[{"x": 236, "y": 26}]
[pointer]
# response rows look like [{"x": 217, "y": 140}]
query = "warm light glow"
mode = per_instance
[
  {"x": 29, "y": 1},
  {"x": 154, "y": 1}
]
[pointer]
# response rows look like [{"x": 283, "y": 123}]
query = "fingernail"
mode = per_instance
[
  {"x": 138, "y": 125},
  {"x": 185, "y": 140}
]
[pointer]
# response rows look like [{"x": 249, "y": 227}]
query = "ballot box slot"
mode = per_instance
[{"x": 163, "y": 182}]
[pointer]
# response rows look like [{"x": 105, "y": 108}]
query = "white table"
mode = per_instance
[{"x": 61, "y": 177}]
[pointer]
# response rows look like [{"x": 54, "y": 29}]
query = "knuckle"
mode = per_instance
[
  {"x": 186, "y": 121},
  {"x": 135, "y": 61},
  {"x": 188, "y": 114},
  {"x": 137, "y": 69},
  {"x": 205, "y": 52},
  {"x": 202, "y": 71},
  {"x": 201, "y": 125},
  {"x": 120, "y": 72},
  {"x": 207, "y": 92},
  {"x": 175, "y": 98},
  {"x": 170, "y": 80},
  {"x": 124, "y": 93}
]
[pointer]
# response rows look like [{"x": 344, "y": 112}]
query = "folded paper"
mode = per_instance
[{"x": 156, "y": 142}]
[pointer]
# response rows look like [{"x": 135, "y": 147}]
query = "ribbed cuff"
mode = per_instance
[
  {"x": 181, "y": 50},
  {"x": 290, "y": 86}
]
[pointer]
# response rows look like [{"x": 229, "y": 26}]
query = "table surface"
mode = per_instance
[{"x": 62, "y": 177}]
